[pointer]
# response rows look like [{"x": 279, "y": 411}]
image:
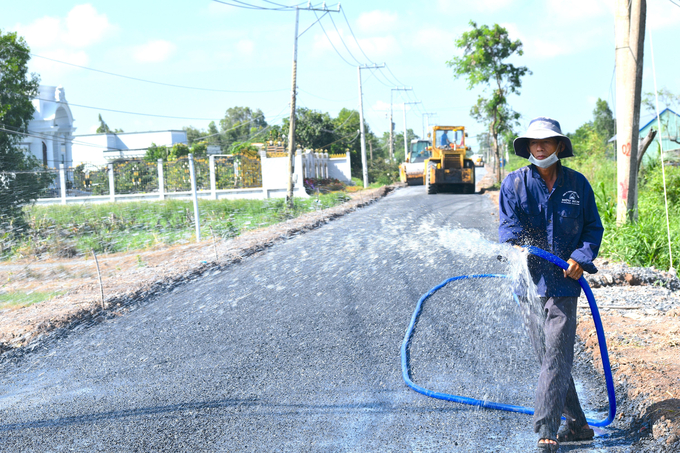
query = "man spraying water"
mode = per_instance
[{"x": 552, "y": 207}]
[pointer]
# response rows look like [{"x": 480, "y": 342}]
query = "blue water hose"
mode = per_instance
[{"x": 510, "y": 407}]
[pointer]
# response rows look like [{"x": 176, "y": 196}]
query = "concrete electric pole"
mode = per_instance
[
  {"x": 630, "y": 36},
  {"x": 425, "y": 130},
  {"x": 403, "y": 106},
  {"x": 364, "y": 164},
  {"x": 392, "y": 90},
  {"x": 291, "y": 130}
]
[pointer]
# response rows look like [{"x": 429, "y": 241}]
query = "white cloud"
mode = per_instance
[
  {"x": 377, "y": 21},
  {"x": 52, "y": 72},
  {"x": 557, "y": 40},
  {"x": 245, "y": 47},
  {"x": 85, "y": 26},
  {"x": 580, "y": 10},
  {"x": 82, "y": 27},
  {"x": 153, "y": 51},
  {"x": 663, "y": 15},
  {"x": 489, "y": 6},
  {"x": 381, "y": 106},
  {"x": 437, "y": 43},
  {"x": 379, "y": 47}
]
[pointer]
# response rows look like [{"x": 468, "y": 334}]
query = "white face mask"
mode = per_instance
[{"x": 545, "y": 163}]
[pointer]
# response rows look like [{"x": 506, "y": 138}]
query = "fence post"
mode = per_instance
[
  {"x": 213, "y": 183},
  {"x": 197, "y": 219},
  {"x": 62, "y": 183},
  {"x": 112, "y": 185},
  {"x": 161, "y": 181}
]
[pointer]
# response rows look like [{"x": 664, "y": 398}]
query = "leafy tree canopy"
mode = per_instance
[
  {"x": 240, "y": 124},
  {"x": 313, "y": 129},
  {"x": 104, "y": 128},
  {"x": 19, "y": 184},
  {"x": 667, "y": 99},
  {"x": 603, "y": 120},
  {"x": 484, "y": 62}
]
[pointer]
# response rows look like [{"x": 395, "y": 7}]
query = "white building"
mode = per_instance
[
  {"x": 51, "y": 129},
  {"x": 100, "y": 149}
]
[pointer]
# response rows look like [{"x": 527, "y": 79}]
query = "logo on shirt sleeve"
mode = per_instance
[{"x": 571, "y": 198}]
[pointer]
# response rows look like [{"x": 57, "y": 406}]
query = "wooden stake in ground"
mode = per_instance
[
  {"x": 630, "y": 37},
  {"x": 99, "y": 274},
  {"x": 214, "y": 242}
]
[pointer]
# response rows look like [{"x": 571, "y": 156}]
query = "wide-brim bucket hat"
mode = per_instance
[{"x": 541, "y": 128}]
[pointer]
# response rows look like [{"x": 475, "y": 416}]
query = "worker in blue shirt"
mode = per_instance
[
  {"x": 444, "y": 142},
  {"x": 552, "y": 207}
]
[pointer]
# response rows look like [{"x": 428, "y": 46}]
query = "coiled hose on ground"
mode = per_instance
[{"x": 509, "y": 407}]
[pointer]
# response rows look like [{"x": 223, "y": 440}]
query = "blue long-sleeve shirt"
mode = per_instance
[{"x": 564, "y": 222}]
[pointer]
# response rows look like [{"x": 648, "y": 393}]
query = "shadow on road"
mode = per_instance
[{"x": 276, "y": 409}]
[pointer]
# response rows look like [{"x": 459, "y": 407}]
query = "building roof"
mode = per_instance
[{"x": 650, "y": 121}]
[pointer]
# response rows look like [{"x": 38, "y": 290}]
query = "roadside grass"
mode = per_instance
[
  {"x": 74, "y": 230},
  {"x": 19, "y": 299},
  {"x": 644, "y": 242},
  {"x": 641, "y": 243}
]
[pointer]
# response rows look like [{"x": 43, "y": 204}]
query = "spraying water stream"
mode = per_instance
[{"x": 471, "y": 245}]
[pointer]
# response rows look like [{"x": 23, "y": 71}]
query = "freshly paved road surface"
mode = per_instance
[{"x": 298, "y": 350}]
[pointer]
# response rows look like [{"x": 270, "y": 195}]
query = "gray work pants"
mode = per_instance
[{"x": 552, "y": 328}]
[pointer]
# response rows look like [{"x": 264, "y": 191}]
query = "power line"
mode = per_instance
[
  {"x": 343, "y": 41},
  {"x": 325, "y": 99},
  {"x": 395, "y": 77},
  {"x": 128, "y": 113},
  {"x": 157, "y": 83},
  {"x": 244, "y": 5},
  {"x": 331, "y": 42},
  {"x": 355, "y": 38}
]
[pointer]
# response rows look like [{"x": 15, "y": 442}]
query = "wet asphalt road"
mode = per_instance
[{"x": 298, "y": 350}]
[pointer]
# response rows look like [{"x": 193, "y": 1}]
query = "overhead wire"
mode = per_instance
[
  {"x": 663, "y": 169},
  {"x": 128, "y": 113},
  {"x": 343, "y": 41},
  {"x": 155, "y": 82},
  {"x": 331, "y": 42},
  {"x": 354, "y": 36}
]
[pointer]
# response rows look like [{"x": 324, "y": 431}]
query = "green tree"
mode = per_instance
[
  {"x": 603, "y": 120},
  {"x": 20, "y": 183},
  {"x": 399, "y": 153},
  {"x": 667, "y": 99},
  {"x": 104, "y": 128},
  {"x": 313, "y": 129},
  {"x": 239, "y": 125},
  {"x": 346, "y": 126},
  {"x": 194, "y": 134},
  {"x": 485, "y": 51}
]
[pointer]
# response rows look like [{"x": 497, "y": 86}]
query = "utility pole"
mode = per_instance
[
  {"x": 427, "y": 114},
  {"x": 291, "y": 130},
  {"x": 630, "y": 36},
  {"x": 403, "y": 106},
  {"x": 364, "y": 165},
  {"x": 392, "y": 90}
]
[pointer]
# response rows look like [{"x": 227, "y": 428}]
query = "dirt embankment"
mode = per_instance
[{"x": 127, "y": 277}]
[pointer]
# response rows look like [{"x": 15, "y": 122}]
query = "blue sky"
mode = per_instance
[{"x": 569, "y": 47}]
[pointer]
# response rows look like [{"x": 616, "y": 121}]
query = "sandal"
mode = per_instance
[
  {"x": 545, "y": 447},
  {"x": 569, "y": 434}
]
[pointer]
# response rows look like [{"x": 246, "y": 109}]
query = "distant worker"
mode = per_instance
[
  {"x": 552, "y": 207},
  {"x": 445, "y": 142}
]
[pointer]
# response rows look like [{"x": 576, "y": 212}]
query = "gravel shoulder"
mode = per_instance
[
  {"x": 640, "y": 310},
  {"x": 127, "y": 277}
]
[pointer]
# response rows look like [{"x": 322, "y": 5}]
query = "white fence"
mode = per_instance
[{"x": 270, "y": 182}]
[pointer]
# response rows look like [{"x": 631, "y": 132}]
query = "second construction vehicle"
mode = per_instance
[
  {"x": 411, "y": 172},
  {"x": 448, "y": 168}
]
